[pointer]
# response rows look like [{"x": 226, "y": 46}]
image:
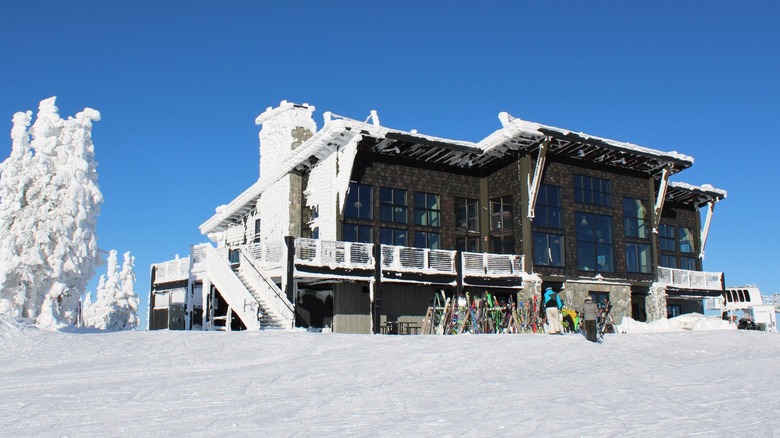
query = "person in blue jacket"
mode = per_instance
[{"x": 553, "y": 306}]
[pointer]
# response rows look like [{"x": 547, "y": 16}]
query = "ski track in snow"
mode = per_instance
[{"x": 699, "y": 383}]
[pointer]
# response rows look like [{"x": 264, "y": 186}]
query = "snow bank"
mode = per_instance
[
  {"x": 285, "y": 383},
  {"x": 689, "y": 321}
]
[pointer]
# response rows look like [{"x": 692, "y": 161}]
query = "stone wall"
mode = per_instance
[{"x": 575, "y": 292}]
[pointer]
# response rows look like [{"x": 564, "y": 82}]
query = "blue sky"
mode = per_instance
[{"x": 179, "y": 84}]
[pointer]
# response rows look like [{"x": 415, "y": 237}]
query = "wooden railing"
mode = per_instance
[
  {"x": 267, "y": 255},
  {"x": 334, "y": 254},
  {"x": 685, "y": 279},
  {"x": 173, "y": 270},
  {"x": 492, "y": 265},
  {"x": 423, "y": 260}
]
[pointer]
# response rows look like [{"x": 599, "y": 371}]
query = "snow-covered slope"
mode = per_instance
[{"x": 707, "y": 383}]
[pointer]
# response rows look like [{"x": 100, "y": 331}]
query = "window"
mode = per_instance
[
  {"x": 686, "y": 240},
  {"x": 634, "y": 218},
  {"x": 308, "y": 216},
  {"x": 591, "y": 190},
  {"x": 427, "y": 209},
  {"x": 548, "y": 249},
  {"x": 668, "y": 261},
  {"x": 600, "y": 298},
  {"x": 638, "y": 257},
  {"x": 257, "y": 231},
  {"x": 393, "y": 236},
  {"x": 358, "y": 233},
  {"x": 393, "y": 205},
  {"x": 234, "y": 256},
  {"x": 548, "y": 211},
  {"x": 423, "y": 239},
  {"x": 504, "y": 244},
  {"x": 359, "y": 202},
  {"x": 594, "y": 243},
  {"x": 501, "y": 213},
  {"x": 467, "y": 214},
  {"x": 688, "y": 263},
  {"x": 467, "y": 244},
  {"x": 666, "y": 238}
]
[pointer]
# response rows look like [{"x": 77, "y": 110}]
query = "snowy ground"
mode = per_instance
[{"x": 683, "y": 383}]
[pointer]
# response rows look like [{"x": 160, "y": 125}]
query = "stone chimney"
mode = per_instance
[{"x": 284, "y": 128}]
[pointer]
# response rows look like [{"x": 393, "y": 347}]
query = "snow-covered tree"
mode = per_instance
[
  {"x": 48, "y": 215},
  {"x": 116, "y": 306}
]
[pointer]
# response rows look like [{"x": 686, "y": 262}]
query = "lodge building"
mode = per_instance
[{"x": 356, "y": 225}]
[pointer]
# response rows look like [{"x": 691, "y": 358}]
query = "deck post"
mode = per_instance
[
  {"x": 376, "y": 305},
  {"x": 289, "y": 278}
]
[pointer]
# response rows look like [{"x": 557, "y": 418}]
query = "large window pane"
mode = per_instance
[
  {"x": 504, "y": 244},
  {"x": 393, "y": 236},
  {"x": 548, "y": 212},
  {"x": 634, "y": 218},
  {"x": 393, "y": 205},
  {"x": 666, "y": 239},
  {"x": 357, "y": 233},
  {"x": 591, "y": 190},
  {"x": 359, "y": 203},
  {"x": 638, "y": 257},
  {"x": 688, "y": 263},
  {"x": 686, "y": 240},
  {"x": 424, "y": 239},
  {"x": 548, "y": 249},
  {"x": 427, "y": 209},
  {"x": 466, "y": 214},
  {"x": 594, "y": 243},
  {"x": 501, "y": 213}
]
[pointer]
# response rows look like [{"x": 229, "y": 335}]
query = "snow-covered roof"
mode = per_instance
[
  {"x": 515, "y": 137},
  {"x": 333, "y": 134},
  {"x": 684, "y": 193}
]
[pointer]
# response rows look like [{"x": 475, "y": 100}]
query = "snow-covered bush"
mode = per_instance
[
  {"x": 49, "y": 203},
  {"x": 116, "y": 305}
]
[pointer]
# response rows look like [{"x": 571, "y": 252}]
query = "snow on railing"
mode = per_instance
[
  {"x": 268, "y": 255},
  {"x": 234, "y": 234},
  {"x": 273, "y": 297},
  {"x": 173, "y": 270},
  {"x": 334, "y": 254},
  {"x": 492, "y": 265},
  {"x": 685, "y": 279},
  {"x": 404, "y": 258}
]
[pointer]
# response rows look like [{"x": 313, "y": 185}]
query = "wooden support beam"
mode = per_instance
[
  {"x": 659, "y": 201},
  {"x": 533, "y": 186},
  {"x": 706, "y": 230}
]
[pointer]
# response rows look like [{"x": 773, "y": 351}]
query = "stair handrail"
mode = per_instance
[
  {"x": 271, "y": 285},
  {"x": 231, "y": 288}
]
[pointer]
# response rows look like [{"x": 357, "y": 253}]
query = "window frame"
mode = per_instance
[
  {"x": 426, "y": 215},
  {"x": 465, "y": 216},
  {"x": 593, "y": 247},
  {"x": 398, "y": 208},
  {"x": 360, "y": 230},
  {"x": 499, "y": 219},
  {"x": 426, "y": 237},
  {"x": 633, "y": 252},
  {"x": 592, "y": 190},
  {"x": 547, "y": 249},
  {"x": 548, "y": 212},
  {"x": 356, "y": 197}
]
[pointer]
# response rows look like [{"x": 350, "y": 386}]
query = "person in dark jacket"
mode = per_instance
[
  {"x": 553, "y": 306},
  {"x": 590, "y": 312}
]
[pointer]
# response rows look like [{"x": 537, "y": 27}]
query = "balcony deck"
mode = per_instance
[{"x": 353, "y": 260}]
